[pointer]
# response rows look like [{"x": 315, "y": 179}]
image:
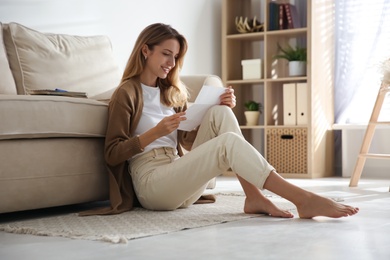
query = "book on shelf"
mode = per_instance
[
  {"x": 57, "y": 92},
  {"x": 283, "y": 16},
  {"x": 273, "y": 16},
  {"x": 292, "y": 16},
  {"x": 288, "y": 22}
]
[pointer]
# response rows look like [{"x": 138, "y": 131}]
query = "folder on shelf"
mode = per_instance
[
  {"x": 302, "y": 104},
  {"x": 289, "y": 104}
]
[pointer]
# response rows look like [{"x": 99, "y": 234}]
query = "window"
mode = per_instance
[{"x": 362, "y": 41}]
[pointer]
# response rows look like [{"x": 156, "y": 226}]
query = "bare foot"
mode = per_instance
[
  {"x": 265, "y": 206},
  {"x": 316, "y": 205}
]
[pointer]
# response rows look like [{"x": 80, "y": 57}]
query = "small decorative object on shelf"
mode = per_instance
[
  {"x": 296, "y": 58},
  {"x": 251, "y": 69},
  {"x": 245, "y": 26},
  {"x": 253, "y": 112}
]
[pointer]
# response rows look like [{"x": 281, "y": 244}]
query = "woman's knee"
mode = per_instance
[
  {"x": 231, "y": 137},
  {"x": 228, "y": 141},
  {"x": 225, "y": 110}
]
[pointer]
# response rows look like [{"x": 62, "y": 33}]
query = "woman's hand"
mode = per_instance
[
  {"x": 170, "y": 123},
  {"x": 228, "y": 98},
  {"x": 166, "y": 126}
]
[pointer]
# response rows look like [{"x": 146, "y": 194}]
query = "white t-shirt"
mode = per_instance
[{"x": 153, "y": 112}]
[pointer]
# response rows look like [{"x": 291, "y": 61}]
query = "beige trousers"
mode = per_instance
[{"x": 164, "y": 181}]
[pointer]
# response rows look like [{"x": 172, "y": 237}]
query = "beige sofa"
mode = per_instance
[{"x": 51, "y": 147}]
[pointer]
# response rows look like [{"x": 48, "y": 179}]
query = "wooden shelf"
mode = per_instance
[
  {"x": 317, "y": 36},
  {"x": 246, "y": 36},
  {"x": 252, "y": 127}
]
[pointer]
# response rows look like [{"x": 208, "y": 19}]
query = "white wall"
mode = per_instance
[
  {"x": 122, "y": 20},
  {"x": 351, "y": 142}
]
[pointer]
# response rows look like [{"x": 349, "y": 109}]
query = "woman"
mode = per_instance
[{"x": 143, "y": 143}]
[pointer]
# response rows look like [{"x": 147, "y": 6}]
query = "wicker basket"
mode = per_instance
[{"x": 287, "y": 149}]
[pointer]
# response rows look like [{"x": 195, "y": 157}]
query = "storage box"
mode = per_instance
[
  {"x": 287, "y": 149},
  {"x": 251, "y": 69}
]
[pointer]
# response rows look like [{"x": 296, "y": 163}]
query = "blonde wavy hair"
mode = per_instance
[{"x": 173, "y": 91}]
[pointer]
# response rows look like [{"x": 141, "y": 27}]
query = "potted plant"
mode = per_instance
[
  {"x": 296, "y": 58},
  {"x": 252, "y": 113}
]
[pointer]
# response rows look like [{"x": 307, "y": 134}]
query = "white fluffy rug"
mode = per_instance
[{"x": 136, "y": 223}]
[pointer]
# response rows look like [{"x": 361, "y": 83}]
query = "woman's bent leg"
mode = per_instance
[
  {"x": 218, "y": 120},
  {"x": 168, "y": 186}
]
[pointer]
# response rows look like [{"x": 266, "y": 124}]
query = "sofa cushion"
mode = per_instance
[
  {"x": 48, "y": 61},
  {"x": 7, "y": 83},
  {"x": 51, "y": 116}
]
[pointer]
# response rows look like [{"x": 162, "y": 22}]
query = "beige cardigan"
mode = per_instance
[{"x": 124, "y": 113}]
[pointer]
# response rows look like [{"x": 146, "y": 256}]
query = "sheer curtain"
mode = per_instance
[{"x": 362, "y": 41}]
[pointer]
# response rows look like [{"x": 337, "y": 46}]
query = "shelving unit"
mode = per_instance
[{"x": 314, "y": 150}]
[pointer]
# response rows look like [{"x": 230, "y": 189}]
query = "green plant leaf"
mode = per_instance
[
  {"x": 253, "y": 106},
  {"x": 291, "y": 54}
]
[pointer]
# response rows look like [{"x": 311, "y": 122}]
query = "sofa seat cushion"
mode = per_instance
[
  {"x": 49, "y": 61},
  {"x": 24, "y": 116}
]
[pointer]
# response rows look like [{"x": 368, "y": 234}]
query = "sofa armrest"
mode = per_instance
[{"x": 195, "y": 82}]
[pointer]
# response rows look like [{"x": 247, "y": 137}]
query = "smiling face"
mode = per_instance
[{"x": 160, "y": 59}]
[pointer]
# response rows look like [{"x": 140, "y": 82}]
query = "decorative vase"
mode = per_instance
[
  {"x": 297, "y": 68},
  {"x": 252, "y": 117}
]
